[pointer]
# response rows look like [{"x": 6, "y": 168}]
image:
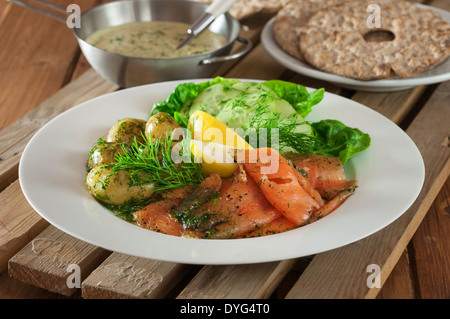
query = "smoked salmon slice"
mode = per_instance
[
  {"x": 267, "y": 194},
  {"x": 325, "y": 174},
  {"x": 156, "y": 217},
  {"x": 306, "y": 185},
  {"x": 279, "y": 225},
  {"x": 246, "y": 208},
  {"x": 278, "y": 182},
  {"x": 240, "y": 207},
  {"x": 334, "y": 203},
  {"x": 177, "y": 207}
]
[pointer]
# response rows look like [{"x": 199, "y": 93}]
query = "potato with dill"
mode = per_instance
[
  {"x": 104, "y": 153},
  {"x": 126, "y": 130},
  {"x": 115, "y": 186},
  {"x": 160, "y": 125}
]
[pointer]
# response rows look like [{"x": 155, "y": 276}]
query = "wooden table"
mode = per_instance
[{"x": 43, "y": 73}]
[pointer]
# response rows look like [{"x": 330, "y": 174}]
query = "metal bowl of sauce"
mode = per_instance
[{"x": 133, "y": 42}]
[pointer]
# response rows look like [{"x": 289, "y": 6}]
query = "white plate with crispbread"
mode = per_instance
[{"x": 439, "y": 73}]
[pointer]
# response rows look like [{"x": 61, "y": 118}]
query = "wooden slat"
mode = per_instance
[
  {"x": 122, "y": 276},
  {"x": 19, "y": 223},
  {"x": 347, "y": 278},
  {"x": 251, "y": 281},
  {"x": 35, "y": 64},
  {"x": 5, "y": 6},
  {"x": 395, "y": 105},
  {"x": 400, "y": 284},
  {"x": 267, "y": 71},
  {"x": 14, "y": 289},
  {"x": 314, "y": 83},
  {"x": 430, "y": 246},
  {"x": 14, "y": 138},
  {"x": 46, "y": 261}
]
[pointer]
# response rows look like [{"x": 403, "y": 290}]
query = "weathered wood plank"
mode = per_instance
[
  {"x": 430, "y": 246},
  {"x": 14, "y": 289},
  {"x": 55, "y": 261},
  {"x": 5, "y": 7},
  {"x": 395, "y": 105},
  {"x": 400, "y": 283},
  {"x": 14, "y": 138},
  {"x": 341, "y": 273},
  {"x": 34, "y": 64},
  {"x": 19, "y": 223},
  {"x": 268, "y": 70},
  {"x": 122, "y": 276},
  {"x": 237, "y": 281}
]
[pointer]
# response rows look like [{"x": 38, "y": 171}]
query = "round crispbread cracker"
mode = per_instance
[
  {"x": 333, "y": 40},
  {"x": 246, "y": 8},
  {"x": 293, "y": 16}
]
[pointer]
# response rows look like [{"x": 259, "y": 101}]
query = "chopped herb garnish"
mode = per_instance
[{"x": 151, "y": 162}]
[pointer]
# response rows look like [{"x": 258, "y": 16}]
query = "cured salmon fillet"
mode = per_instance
[
  {"x": 266, "y": 195},
  {"x": 156, "y": 217},
  {"x": 325, "y": 174},
  {"x": 280, "y": 186},
  {"x": 245, "y": 206},
  {"x": 334, "y": 203},
  {"x": 170, "y": 214},
  {"x": 279, "y": 225}
]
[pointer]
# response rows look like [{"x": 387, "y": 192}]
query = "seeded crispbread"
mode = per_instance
[
  {"x": 333, "y": 40},
  {"x": 291, "y": 18},
  {"x": 242, "y": 9}
]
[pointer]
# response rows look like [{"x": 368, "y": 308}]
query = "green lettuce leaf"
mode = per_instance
[
  {"x": 270, "y": 104},
  {"x": 180, "y": 100},
  {"x": 339, "y": 140},
  {"x": 296, "y": 94}
]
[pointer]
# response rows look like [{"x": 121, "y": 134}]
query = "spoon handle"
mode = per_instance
[
  {"x": 214, "y": 10},
  {"x": 219, "y": 6}
]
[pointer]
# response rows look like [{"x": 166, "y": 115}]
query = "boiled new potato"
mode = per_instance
[
  {"x": 126, "y": 130},
  {"x": 114, "y": 187},
  {"x": 160, "y": 125},
  {"x": 104, "y": 153}
]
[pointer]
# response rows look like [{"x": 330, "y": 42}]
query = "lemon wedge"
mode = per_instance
[
  {"x": 208, "y": 129},
  {"x": 214, "y": 144},
  {"x": 214, "y": 157}
]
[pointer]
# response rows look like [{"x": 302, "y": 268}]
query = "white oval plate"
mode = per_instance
[
  {"x": 438, "y": 74},
  {"x": 52, "y": 172}
]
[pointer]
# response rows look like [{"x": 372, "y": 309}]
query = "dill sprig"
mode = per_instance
[
  {"x": 281, "y": 133},
  {"x": 152, "y": 162}
]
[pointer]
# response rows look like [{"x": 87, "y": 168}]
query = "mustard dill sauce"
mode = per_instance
[{"x": 154, "y": 39}]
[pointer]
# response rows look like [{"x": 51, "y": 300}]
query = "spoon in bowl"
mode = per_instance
[{"x": 211, "y": 13}]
